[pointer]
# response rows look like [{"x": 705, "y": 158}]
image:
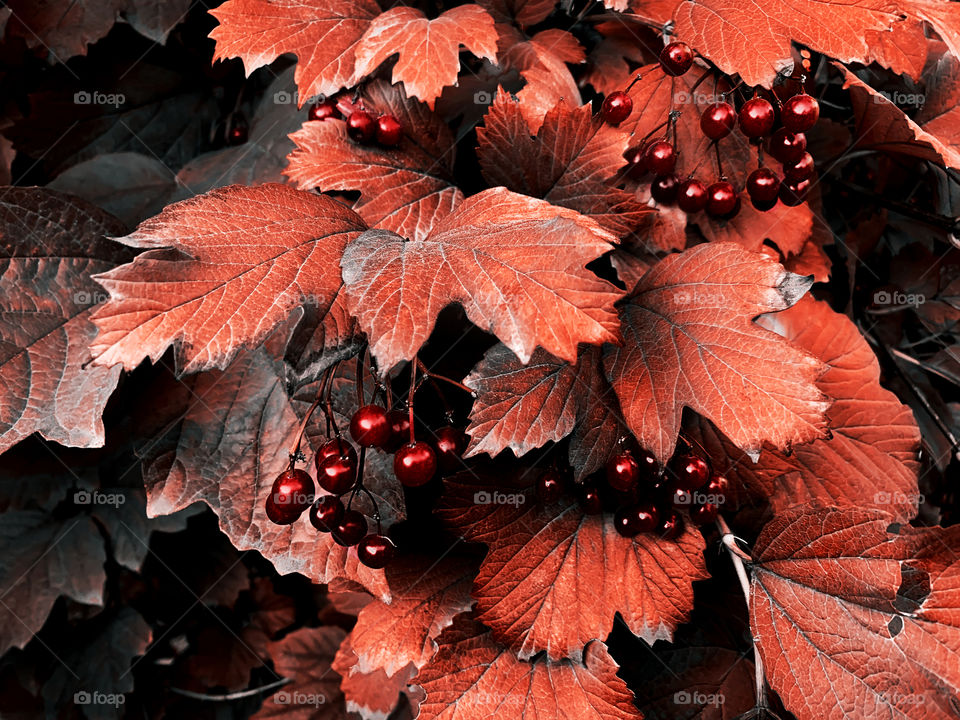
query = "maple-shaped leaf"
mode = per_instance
[
  {"x": 406, "y": 189},
  {"x": 471, "y": 675},
  {"x": 571, "y": 162},
  {"x": 554, "y": 577},
  {"x": 42, "y": 558},
  {"x": 940, "y": 114},
  {"x": 372, "y": 695},
  {"x": 882, "y": 124},
  {"x": 753, "y": 39},
  {"x": 225, "y": 269},
  {"x": 524, "y": 406},
  {"x": 306, "y": 656},
  {"x": 942, "y": 15},
  {"x": 50, "y": 244},
  {"x": 230, "y": 446},
  {"x": 608, "y": 69},
  {"x": 322, "y": 33},
  {"x": 62, "y": 28},
  {"x": 428, "y": 50},
  {"x": 425, "y": 597},
  {"x": 870, "y": 459},
  {"x": 849, "y": 617},
  {"x": 516, "y": 265},
  {"x": 903, "y": 49},
  {"x": 690, "y": 341}
]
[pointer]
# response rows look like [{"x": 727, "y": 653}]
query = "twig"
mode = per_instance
[
  {"x": 435, "y": 376},
  {"x": 239, "y": 695}
]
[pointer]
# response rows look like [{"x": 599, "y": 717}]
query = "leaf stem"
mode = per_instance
[
  {"x": 295, "y": 453},
  {"x": 444, "y": 378},
  {"x": 413, "y": 391}
]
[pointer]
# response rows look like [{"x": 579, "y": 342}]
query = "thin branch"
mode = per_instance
[{"x": 239, "y": 695}]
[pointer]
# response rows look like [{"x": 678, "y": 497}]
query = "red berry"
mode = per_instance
[
  {"x": 676, "y": 58},
  {"x": 704, "y": 514},
  {"x": 649, "y": 467},
  {"x": 361, "y": 127},
  {"x": 664, "y": 189},
  {"x": 291, "y": 494},
  {"x": 370, "y": 427},
  {"x": 763, "y": 186},
  {"x": 337, "y": 474},
  {"x": 590, "y": 500},
  {"x": 788, "y": 147},
  {"x": 325, "y": 110},
  {"x": 660, "y": 158},
  {"x": 690, "y": 471},
  {"x": 636, "y": 168},
  {"x": 794, "y": 193},
  {"x": 717, "y": 487},
  {"x": 671, "y": 527},
  {"x": 376, "y": 551},
  {"x": 623, "y": 471},
  {"x": 718, "y": 120},
  {"x": 800, "y": 113},
  {"x": 450, "y": 443},
  {"x": 799, "y": 170},
  {"x": 549, "y": 486},
  {"x": 237, "y": 134},
  {"x": 326, "y": 513},
  {"x": 389, "y": 130},
  {"x": 756, "y": 117},
  {"x": 681, "y": 498},
  {"x": 692, "y": 196},
  {"x": 721, "y": 199},
  {"x": 335, "y": 447},
  {"x": 635, "y": 519},
  {"x": 617, "y": 107},
  {"x": 415, "y": 464},
  {"x": 399, "y": 429},
  {"x": 351, "y": 528}
]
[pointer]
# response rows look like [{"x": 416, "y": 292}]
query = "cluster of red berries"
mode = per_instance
[
  {"x": 757, "y": 118},
  {"x": 362, "y": 126},
  {"x": 647, "y": 499},
  {"x": 338, "y": 472}
]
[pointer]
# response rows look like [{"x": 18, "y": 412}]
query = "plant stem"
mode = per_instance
[
  {"x": 444, "y": 378},
  {"x": 239, "y": 695}
]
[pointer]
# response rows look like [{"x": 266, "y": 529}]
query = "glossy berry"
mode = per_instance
[
  {"x": 676, "y": 58},
  {"x": 718, "y": 120},
  {"x": 389, "y": 130},
  {"x": 291, "y": 494},
  {"x": 337, "y": 474},
  {"x": 647, "y": 461},
  {"x": 549, "y": 486},
  {"x": 238, "y": 134},
  {"x": 794, "y": 193},
  {"x": 799, "y": 170},
  {"x": 590, "y": 500},
  {"x": 636, "y": 168},
  {"x": 623, "y": 471},
  {"x": 449, "y": 443},
  {"x": 326, "y": 513},
  {"x": 370, "y": 426},
  {"x": 681, "y": 498},
  {"x": 690, "y": 471},
  {"x": 756, "y": 117},
  {"x": 718, "y": 486},
  {"x": 361, "y": 127},
  {"x": 664, "y": 189},
  {"x": 671, "y": 527},
  {"x": 376, "y": 551},
  {"x": 616, "y": 107},
  {"x": 788, "y": 147},
  {"x": 415, "y": 464},
  {"x": 351, "y": 528},
  {"x": 399, "y": 429},
  {"x": 692, "y": 196},
  {"x": 325, "y": 110},
  {"x": 721, "y": 199},
  {"x": 635, "y": 519},
  {"x": 660, "y": 158},
  {"x": 800, "y": 113},
  {"x": 335, "y": 447},
  {"x": 763, "y": 186},
  {"x": 704, "y": 514}
]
